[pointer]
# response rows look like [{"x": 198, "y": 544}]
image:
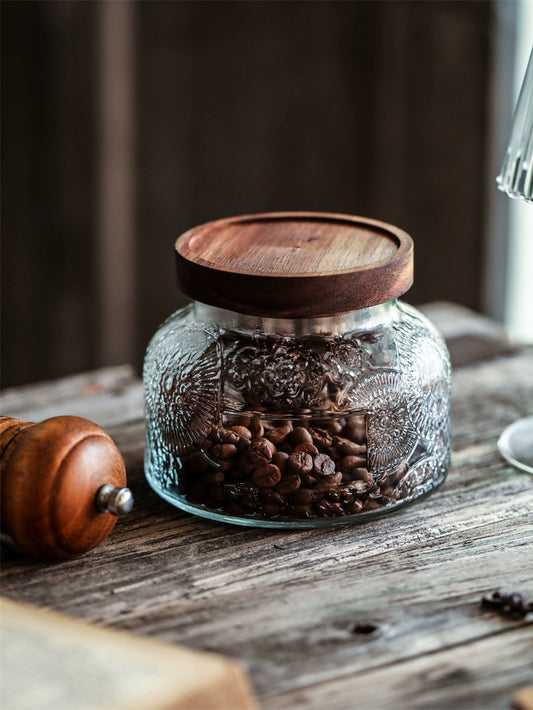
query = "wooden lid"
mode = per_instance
[{"x": 294, "y": 264}]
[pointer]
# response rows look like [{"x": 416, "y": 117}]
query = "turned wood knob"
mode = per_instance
[{"x": 62, "y": 485}]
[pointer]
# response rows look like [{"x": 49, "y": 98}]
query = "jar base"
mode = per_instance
[{"x": 288, "y": 524}]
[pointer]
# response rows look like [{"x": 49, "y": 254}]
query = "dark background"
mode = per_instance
[{"x": 371, "y": 108}]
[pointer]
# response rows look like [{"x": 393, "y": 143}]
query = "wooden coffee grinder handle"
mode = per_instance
[{"x": 62, "y": 485}]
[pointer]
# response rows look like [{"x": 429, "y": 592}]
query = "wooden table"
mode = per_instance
[{"x": 381, "y": 615}]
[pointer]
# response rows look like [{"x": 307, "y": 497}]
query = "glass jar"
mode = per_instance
[{"x": 296, "y": 390}]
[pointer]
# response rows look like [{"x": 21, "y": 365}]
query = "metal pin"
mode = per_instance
[{"x": 114, "y": 500}]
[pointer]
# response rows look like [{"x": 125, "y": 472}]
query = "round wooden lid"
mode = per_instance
[{"x": 294, "y": 264}]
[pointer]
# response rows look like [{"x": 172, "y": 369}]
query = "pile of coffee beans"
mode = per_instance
[{"x": 286, "y": 469}]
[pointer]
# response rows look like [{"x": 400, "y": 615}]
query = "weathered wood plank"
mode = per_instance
[
  {"x": 286, "y": 603},
  {"x": 109, "y": 397}
]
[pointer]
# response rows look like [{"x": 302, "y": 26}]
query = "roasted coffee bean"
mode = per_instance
[
  {"x": 233, "y": 508},
  {"x": 307, "y": 447},
  {"x": 224, "y": 451},
  {"x": 242, "y": 432},
  {"x": 250, "y": 497},
  {"x": 270, "y": 510},
  {"x": 300, "y": 462},
  {"x": 228, "y": 436},
  {"x": 280, "y": 459},
  {"x": 303, "y": 496},
  {"x": 289, "y": 483},
  {"x": 348, "y": 463},
  {"x": 301, "y": 511},
  {"x": 326, "y": 482},
  {"x": 242, "y": 421},
  {"x": 371, "y": 504},
  {"x": 355, "y": 507},
  {"x": 260, "y": 451},
  {"x": 327, "y": 509},
  {"x": 243, "y": 464},
  {"x": 398, "y": 473},
  {"x": 256, "y": 428},
  {"x": 360, "y": 488},
  {"x": 323, "y": 465},
  {"x": 321, "y": 437},
  {"x": 347, "y": 495},
  {"x": 308, "y": 480},
  {"x": 299, "y": 435},
  {"x": 279, "y": 434},
  {"x": 334, "y": 495},
  {"x": 361, "y": 474},
  {"x": 266, "y": 476},
  {"x": 210, "y": 477},
  {"x": 355, "y": 429},
  {"x": 345, "y": 447},
  {"x": 270, "y": 496},
  {"x": 335, "y": 427}
]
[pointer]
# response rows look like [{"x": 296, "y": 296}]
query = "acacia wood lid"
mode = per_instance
[{"x": 294, "y": 264}]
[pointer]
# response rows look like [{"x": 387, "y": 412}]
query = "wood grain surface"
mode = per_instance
[
  {"x": 294, "y": 263},
  {"x": 382, "y": 615}
]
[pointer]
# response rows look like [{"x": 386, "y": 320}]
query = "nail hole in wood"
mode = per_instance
[{"x": 364, "y": 628}]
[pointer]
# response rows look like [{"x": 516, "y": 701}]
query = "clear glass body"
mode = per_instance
[{"x": 278, "y": 422}]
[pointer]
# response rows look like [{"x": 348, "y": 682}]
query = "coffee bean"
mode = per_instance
[
  {"x": 299, "y": 435},
  {"x": 323, "y": 465},
  {"x": 210, "y": 477},
  {"x": 325, "y": 483},
  {"x": 321, "y": 437},
  {"x": 270, "y": 496},
  {"x": 307, "y": 447},
  {"x": 271, "y": 510},
  {"x": 228, "y": 436},
  {"x": 279, "y": 459},
  {"x": 260, "y": 451},
  {"x": 335, "y": 427},
  {"x": 361, "y": 474},
  {"x": 345, "y": 447},
  {"x": 279, "y": 434},
  {"x": 289, "y": 483},
  {"x": 327, "y": 509},
  {"x": 266, "y": 476},
  {"x": 308, "y": 480},
  {"x": 355, "y": 429},
  {"x": 224, "y": 451},
  {"x": 303, "y": 496},
  {"x": 348, "y": 463},
  {"x": 300, "y": 462},
  {"x": 371, "y": 504},
  {"x": 256, "y": 428},
  {"x": 234, "y": 509},
  {"x": 242, "y": 432},
  {"x": 301, "y": 511},
  {"x": 355, "y": 507}
]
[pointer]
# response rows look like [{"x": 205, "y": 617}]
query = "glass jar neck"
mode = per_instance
[{"x": 360, "y": 320}]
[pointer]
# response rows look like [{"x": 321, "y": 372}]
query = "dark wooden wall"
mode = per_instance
[{"x": 373, "y": 108}]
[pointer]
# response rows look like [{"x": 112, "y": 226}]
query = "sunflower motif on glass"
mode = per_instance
[
  {"x": 188, "y": 382},
  {"x": 276, "y": 373},
  {"x": 391, "y": 437},
  {"x": 425, "y": 364}
]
